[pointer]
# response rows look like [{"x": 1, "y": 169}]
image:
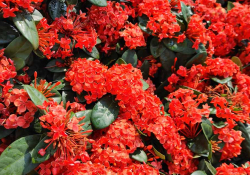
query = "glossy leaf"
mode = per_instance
[
  {"x": 143, "y": 20},
  {"x": 207, "y": 130},
  {"x": 156, "y": 48},
  {"x": 36, "y": 15},
  {"x": 145, "y": 85},
  {"x": 245, "y": 151},
  {"x": 8, "y": 33},
  {"x": 145, "y": 69},
  {"x": 95, "y": 53},
  {"x": 185, "y": 12},
  {"x": 87, "y": 124},
  {"x": 5, "y": 132},
  {"x": 36, "y": 157},
  {"x": 57, "y": 8},
  {"x": 199, "y": 145},
  {"x": 199, "y": 58},
  {"x": 237, "y": 61},
  {"x": 52, "y": 67},
  {"x": 230, "y": 5},
  {"x": 199, "y": 172},
  {"x": 26, "y": 25},
  {"x": 16, "y": 159},
  {"x": 167, "y": 59},
  {"x": 104, "y": 112},
  {"x": 18, "y": 50},
  {"x": 129, "y": 56},
  {"x": 219, "y": 124},
  {"x": 57, "y": 96},
  {"x": 139, "y": 155},
  {"x": 171, "y": 43},
  {"x": 100, "y": 3},
  {"x": 120, "y": 61},
  {"x": 36, "y": 96},
  {"x": 211, "y": 168},
  {"x": 221, "y": 81}
]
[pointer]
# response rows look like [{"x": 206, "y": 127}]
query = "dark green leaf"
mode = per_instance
[
  {"x": 199, "y": 58},
  {"x": 143, "y": 20},
  {"x": 50, "y": 151},
  {"x": 8, "y": 33},
  {"x": 211, "y": 168},
  {"x": 139, "y": 155},
  {"x": 172, "y": 44},
  {"x": 215, "y": 138},
  {"x": 26, "y": 25},
  {"x": 156, "y": 48},
  {"x": 189, "y": 48},
  {"x": 100, "y": 3},
  {"x": 219, "y": 124},
  {"x": 199, "y": 145},
  {"x": 18, "y": 50},
  {"x": 245, "y": 151},
  {"x": 36, "y": 96},
  {"x": 68, "y": 96},
  {"x": 129, "y": 56},
  {"x": 104, "y": 112},
  {"x": 36, "y": 15},
  {"x": 185, "y": 12},
  {"x": 57, "y": 97},
  {"x": 207, "y": 130},
  {"x": 72, "y": 2},
  {"x": 230, "y": 5},
  {"x": 16, "y": 159},
  {"x": 167, "y": 59},
  {"x": 120, "y": 61},
  {"x": 95, "y": 53},
  {"x": 199, "y": 172},
  {"x": 87, "y": 126},
  {"x": 5, "y": 132},
  {"x": 237, "y": 61},
  {"x": 52, "y": 67},
  {"x": 57, "y": 8},
  {"x": 145, "y": 69},
  {"x": 221, "y": 81},
  {"x": 145, "y": 85}
]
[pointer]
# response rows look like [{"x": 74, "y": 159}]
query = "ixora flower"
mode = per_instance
[{"x": 65, "y": 132}]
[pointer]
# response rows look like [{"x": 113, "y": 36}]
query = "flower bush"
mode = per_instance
[{"x": 131, "y": 87}]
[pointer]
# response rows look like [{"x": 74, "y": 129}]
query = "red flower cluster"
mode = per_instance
[
  {"x": 133, "y": 36},
  {"x": 231, "y": 170},
  {"x": 65, "y": 132},
  {"x": 108, "y": 21},
  {"x": 8, "y": 7},
  {"x": 73, "y": 28},
  {"x": 7, "y": 68},
  {"x": 16, "y": 109},
  {"x": 161, "y": 22}
]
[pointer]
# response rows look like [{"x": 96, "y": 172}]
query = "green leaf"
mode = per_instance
[
  {"x": 237, "y": 61},
  {"x": 104, "y": 112},
  {"x": 145, "y": 85},
  {"x": 18, "y": 50},
  {"x": 230, "y": 5},
  {"x": 189, "y": 48},
  {"x": 51, "y": 66},
  {"x": 50, "y": 151},
  {"x": 162, "y": 156},
  {"x": 95, "y": 53},
  {"x": 26, "y": 25},
  {"x": 145, "y": 69},
  {"x": 129, "y": 56},
  {"x": 199, "y": 172},
  {"x": 211, "y": 168},
  {"x": 207, "y": 130},
  {"x": 199, "y": 144},
  {"x": 16, "y": 158},
  {"x": 156, "y": 48},
  {"x": 87, "y": 126},
  {"x": 167, "y": 59},
  {"x": 57, "y": 97},
  {"x": 143, "y": 20},
  {"x": 120, "y": 61},
  {"x": 5, "y": 132},
  {"x": 57, "y": 8},
  {"x": 221, "y": 81},
  {"x": 196, "y": 92},
  {"x": 219, "y": 124},
  {"x": 185, "y": 12},
  {"x": 36, "y": 15},
  {"x": 100, "y": 3},
  {"x": 171, "y": 43},
  {"x": 36, "y": 96},
  {"x": 8, "y": 33},
  {"x": 68, "y": 96},
  {"x": 245, "y": 151},
  {"x": 199, "y": 58},
  {"x": 139, "y": 155}
]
